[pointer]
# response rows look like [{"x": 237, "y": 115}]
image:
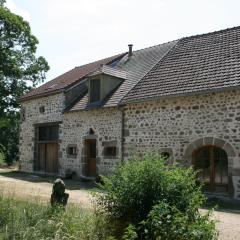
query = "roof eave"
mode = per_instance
[
  {"x": 40, "y": 95},
  {"x": 188, "y": 94}
]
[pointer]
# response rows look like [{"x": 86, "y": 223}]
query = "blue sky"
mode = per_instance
[{"x": 75, "y": 32}]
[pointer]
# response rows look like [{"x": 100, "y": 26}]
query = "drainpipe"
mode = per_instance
[{"x": 122, "y": 132}]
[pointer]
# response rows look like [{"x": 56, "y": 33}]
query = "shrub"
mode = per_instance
[
  {"x": 143, "y": 190},
  {"x": 167, "y": 222}
]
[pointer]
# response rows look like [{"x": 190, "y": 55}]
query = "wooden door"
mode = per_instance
[
  {"x": 212, "y": 165},
  {"x": 41, "y": 157},
  {"x": 48, "y": 157},
  {"x": 91, "y": 168},
  {"x": 51, "y": 157},
  {"x": 47, "y": 148}
]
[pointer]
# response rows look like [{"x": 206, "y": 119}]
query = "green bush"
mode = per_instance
[
  {"x": 144, "y": 190},
  {"x": 167, "y": 222}
]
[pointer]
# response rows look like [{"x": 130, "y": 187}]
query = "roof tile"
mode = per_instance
[
  {"x": 199, "y": 63},
  {"x": 67, "y": 79}
]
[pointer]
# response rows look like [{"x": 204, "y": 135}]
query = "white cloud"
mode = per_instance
[{"x": 18, "y": 10}]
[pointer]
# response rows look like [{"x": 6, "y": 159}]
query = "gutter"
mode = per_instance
[
  {"x": 186, "y": 94},
  {"x": 22, "y": 99}
]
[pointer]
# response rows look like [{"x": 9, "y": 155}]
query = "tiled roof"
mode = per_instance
[
  {"x": 202, "y": 63},
  {"x": 136, "y": 67},
  {"x": 111, "y": 71},
  {"x": 67, "y": 79}
]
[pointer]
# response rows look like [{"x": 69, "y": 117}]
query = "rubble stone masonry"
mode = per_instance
[
  {"x": 181, "y": 125},
  {"x": 177, "y": 125},
  {"x": 53, "y": 106}
]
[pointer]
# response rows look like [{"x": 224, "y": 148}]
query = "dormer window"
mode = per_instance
[{"x": 94, "y": 90}]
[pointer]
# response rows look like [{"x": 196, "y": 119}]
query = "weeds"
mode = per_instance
[{"x": 27, "y": 220}]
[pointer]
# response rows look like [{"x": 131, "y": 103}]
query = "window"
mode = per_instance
[
  {"x": 166, "y": 155},
  {"x": 72, "y": 151},
  {"x": 110, "y": 151},
  {"x": 42, "y": 109},
  {"x": 94, "y": 90},
  {"x": 48, "y": 133}
]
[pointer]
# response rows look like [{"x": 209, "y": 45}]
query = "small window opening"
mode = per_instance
[
  {"x": 42, "y": 109},
  {"x": 91, "y": 131},
  {"x": 110, "y": 151},
  {"x": 166, "y": 155},
  {"x": 72, "y": 151}
]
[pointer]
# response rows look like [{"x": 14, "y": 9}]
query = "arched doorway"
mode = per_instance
[{"x": 211, "y": 162}]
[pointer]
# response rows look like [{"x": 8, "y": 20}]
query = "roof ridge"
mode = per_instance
[
  {"x": 210, "y": 33},
  {"x": 114, "y": 56},
  {"x": 155, "y": 45}
]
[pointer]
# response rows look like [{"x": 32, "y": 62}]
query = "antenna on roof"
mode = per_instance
[{"x": 130, "y": 52}]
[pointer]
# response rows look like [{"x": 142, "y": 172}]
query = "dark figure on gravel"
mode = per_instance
[{"x": 59, "y": 197}]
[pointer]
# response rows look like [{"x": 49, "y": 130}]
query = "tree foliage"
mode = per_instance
[{"x": 20, "y": 69}]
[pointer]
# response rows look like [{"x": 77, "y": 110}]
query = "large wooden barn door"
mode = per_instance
[
  {"x": 90, "y": 145},
  {"x": 211, "y": 163},
  {"x": 47, "y": 149}
]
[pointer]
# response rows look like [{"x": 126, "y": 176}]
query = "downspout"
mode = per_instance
[{"x": 122, "y": 133}]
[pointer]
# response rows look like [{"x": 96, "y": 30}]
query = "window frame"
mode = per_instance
[
  {"x": 75, "y": 151},
  {"x": 91, "y": 98},
  {"x": 110, "y": 156},
  {"x": 50, "y": 129},
  {"x": 42, "y": 109}
]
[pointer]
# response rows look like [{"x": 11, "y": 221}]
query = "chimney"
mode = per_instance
[{"x": 130, "y": 53}]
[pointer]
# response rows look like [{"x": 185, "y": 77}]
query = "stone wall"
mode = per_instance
[
  {"x": 53, "y": 106},
  {"x": 175, "y": 125},
  {"x": 104, "y": 125},
  {"x": 181, "y": 125}
]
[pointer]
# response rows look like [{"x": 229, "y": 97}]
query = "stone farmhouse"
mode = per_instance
[{"x": 180, "y": 98}]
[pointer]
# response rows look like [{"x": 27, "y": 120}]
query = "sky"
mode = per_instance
[{"x": 75, "y": 32}]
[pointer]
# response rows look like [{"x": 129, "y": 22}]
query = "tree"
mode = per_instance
[{"x": 20, "y": 70}]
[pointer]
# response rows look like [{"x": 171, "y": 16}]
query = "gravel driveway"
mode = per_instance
[
  {"x": 31, "y": 187},
  {"x": 228, "y": 225},
  {"x": 25, "y": 186}
]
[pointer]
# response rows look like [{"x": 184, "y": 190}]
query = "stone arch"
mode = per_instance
[{"x": 201, "y": 142}]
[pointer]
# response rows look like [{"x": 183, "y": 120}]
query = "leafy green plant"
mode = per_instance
[
  {"x": 167, "y": 222},
  {"x": 142, "y": 190},
  {"x": 20, "y": 69}
]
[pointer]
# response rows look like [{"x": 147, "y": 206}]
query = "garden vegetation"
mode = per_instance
[
  {"x": 148, "y": 199},
  {"x": 143, "y": 199}
]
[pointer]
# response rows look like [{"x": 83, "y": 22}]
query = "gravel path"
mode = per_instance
[
  {"x": 39, "y": 189},
  {"x": 228, "y": 225}
]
